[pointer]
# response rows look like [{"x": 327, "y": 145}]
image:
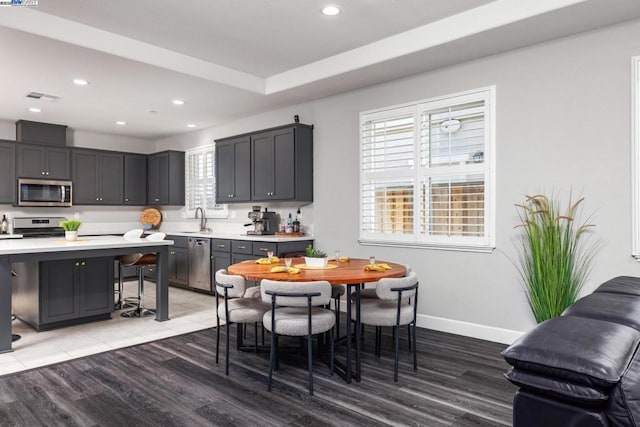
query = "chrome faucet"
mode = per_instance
[{"x": 203, "y": 220}]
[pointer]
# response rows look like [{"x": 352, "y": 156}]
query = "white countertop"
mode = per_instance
[
  {"x": 231, "y": 236},
  {"x": 59, "y": 244},
  {"x": 10, "y": 236}
]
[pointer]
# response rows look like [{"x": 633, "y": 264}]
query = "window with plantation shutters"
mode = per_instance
[
  {"x": 200, "y": 182},
  {"x": 427, "y": 173}
]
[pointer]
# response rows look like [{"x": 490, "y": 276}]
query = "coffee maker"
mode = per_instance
[{"x": 263, "y": 222}]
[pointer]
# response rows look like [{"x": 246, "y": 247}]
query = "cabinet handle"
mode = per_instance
[
  {"x": 172, "y": 253},
  {"x": 126, "y": 200},
  {"x": 221, "y": 246},
  {"x": 77, "y": 264},
  {"x": 47, "y": 173},
  {"x": 157, "y": 200},
  {"x": 97, "y": 199},
  {"x": 242, "y": 247},
  {"x": 263, "y": 249},
  {"x": 83, "y": 263},
  {"x": 42, "y": 172}
]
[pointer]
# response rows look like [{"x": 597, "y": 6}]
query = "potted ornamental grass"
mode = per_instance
[
  {"x": 71, "y": 228},
  {"x": 315, "y": 257},
  {"x": 555, "y": 254}
]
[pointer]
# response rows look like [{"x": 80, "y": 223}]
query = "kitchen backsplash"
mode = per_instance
[{"x": 116, "y": 220}]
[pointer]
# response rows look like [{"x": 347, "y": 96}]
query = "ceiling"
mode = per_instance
[{"x": 228, "y": 59}]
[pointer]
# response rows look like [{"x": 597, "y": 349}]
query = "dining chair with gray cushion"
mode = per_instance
[
  {"x": 235, "y": 308},
  {"x": 297, "y": 311},
  {"x": 392, "y": 308}
]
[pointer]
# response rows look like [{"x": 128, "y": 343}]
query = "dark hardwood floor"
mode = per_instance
[{"x": 175, "y": 382}]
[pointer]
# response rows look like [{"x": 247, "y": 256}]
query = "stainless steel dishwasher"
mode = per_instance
[{"x": 199, "y": 263}]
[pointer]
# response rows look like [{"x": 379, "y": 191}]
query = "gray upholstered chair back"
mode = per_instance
[
  {"x": 324, "y": 288},
  {"x": 385, "y": 286},
  {"x": 238, "y": 283}
]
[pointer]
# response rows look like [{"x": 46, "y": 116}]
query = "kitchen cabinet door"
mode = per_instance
[
  {"x": 95, "y": 282},
  {"x": 97, "y": 178},
  {"x": 273, "y": 165},
  {"x": 85, "y": 178},
  {"x": 36, "y": 161},
  {"x": 180, "y": 273},
  {"x": 7, "y": 172},
  {"x": 59, "y": 297},
  {"x": 219, "y": 260},
  {"x": 111, "y": 178},
  {"x": 135, "y": 179},
  {"x": 233, "y": 170},
  {"x": 165, "y": 183},
  {"x": 57, "y": 163}
]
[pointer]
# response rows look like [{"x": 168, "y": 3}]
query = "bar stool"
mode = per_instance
[
  {"x": 120, "y": 304},
  {"x": 140, "y": 261}
]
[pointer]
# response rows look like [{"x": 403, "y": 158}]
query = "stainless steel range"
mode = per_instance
[{"x": 41, "y": 226}]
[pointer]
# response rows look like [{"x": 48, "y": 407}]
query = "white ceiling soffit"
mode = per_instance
[{"x": 462, "y": 25}]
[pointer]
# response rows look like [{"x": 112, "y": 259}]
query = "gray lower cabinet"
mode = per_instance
[
  {"x": 51, "y": 294},
  {"x": 178, "y": 269},
  {"x": 220, "y": 256},
  {"x": 7, "y": 172},
  {"x": 98, "y": 177}
]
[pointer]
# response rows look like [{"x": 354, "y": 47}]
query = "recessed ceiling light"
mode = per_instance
[
  {"x": 121, "y": 123},
  {"x": 331, "y": 10},
  {"x": 80, "y": 82},
  {"x": 178, "y": 102},
  {"x": 191, "y": 125},
  {"x": 35, "y": 110}
]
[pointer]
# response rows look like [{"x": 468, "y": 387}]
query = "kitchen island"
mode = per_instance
[{"x": 53, "y": 249}]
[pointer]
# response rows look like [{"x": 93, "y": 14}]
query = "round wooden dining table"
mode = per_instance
[
  {"x": 343, "y": 273},
  {"x": 351, "y": 273}
]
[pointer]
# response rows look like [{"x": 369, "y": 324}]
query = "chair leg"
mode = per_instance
[
  {"x": 395, "y": 361},
  {"x": 337, "y": 306},
  {"x": 331, "y": 353},
  {"x": 255, "y": 332},
  {"x": 415, "y": 351},
  {"x": 226, "y": 350},
  {"x": 409, "y": 334},
  {"x": 277, "y": 365},
  {"x": 217, "y": 337},
  {"x": 118, "y": 304},
  {"x": 378, "y": 338},
  {"x": 272, "y": 358},
  {"x": 262, "y": 331},
  {"x": 310, "y": 361}
]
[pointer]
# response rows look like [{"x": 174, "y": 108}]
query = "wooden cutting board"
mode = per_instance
[{"x": 151, "y": 216}]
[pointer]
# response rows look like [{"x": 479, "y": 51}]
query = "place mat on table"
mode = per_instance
[{"x": 308, "y": 267}]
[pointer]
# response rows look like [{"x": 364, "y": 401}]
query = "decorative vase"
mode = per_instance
[
  {"x": 316, "y": 262},
  {"x": 71, "y": 235}
]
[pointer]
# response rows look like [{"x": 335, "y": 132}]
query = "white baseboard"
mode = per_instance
[
  {"x": 474, "y": 330},
  {"x": 458, "y": 327}
]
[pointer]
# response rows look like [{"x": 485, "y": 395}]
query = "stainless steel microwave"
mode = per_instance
[{"x": 44, "y": 192}]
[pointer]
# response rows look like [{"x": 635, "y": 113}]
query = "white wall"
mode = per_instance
[{"x": 563, "y": 124}]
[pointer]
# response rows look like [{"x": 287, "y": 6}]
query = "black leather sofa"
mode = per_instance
[{"x": 581, "y": 369}]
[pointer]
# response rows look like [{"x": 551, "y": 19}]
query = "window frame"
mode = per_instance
[
  {"x": 219, "y": 210},
  {"x": 635, "y": 156},
  {"x": 485, "y": 243}
]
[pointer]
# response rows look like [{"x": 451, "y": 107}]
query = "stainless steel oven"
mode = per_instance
[{"x": 44, "y": 192}]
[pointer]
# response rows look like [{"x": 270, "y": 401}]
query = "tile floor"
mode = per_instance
[{"x": 188, "y": 312}]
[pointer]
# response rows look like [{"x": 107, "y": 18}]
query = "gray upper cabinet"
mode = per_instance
[
  {"x": 37, "y": 161},
  {"x": 135, "y": 179},
  {"x": 233, "y": 163},
  {"x": 98, "y": 177},
  {"x": 7, "y": 172},
  {"x": 165, "y": 183},
  {"x": 281, "y": 165}
]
